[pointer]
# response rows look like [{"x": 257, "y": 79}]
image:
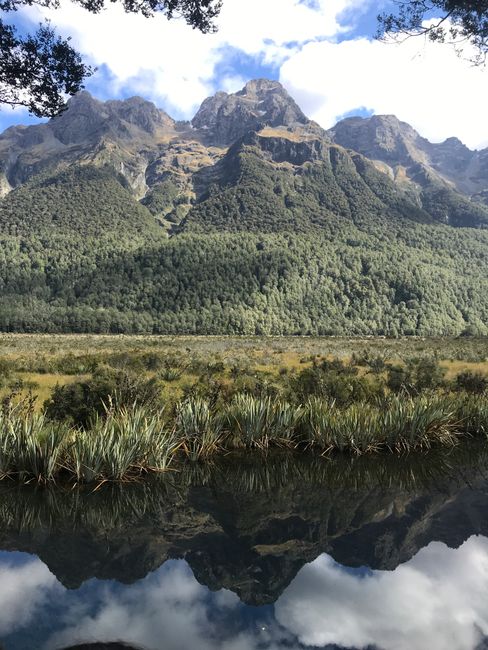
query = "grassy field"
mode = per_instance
[
  {"x": 37, "y": 363},
  {"x": 111, "y": 408}
]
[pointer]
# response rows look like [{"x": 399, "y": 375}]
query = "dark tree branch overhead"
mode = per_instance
[
  {"x": 38, "y": 71},
  {"x": 453, "y": 21}
]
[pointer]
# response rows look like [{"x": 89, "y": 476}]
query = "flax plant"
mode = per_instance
[
  {"x": 31, "y": 447},
  {"x": 198, "y": 429},
  {"x": 122, "y": 445},
  {"x": 254, "y": 422}
]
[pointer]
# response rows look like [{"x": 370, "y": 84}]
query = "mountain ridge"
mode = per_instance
[{"x": 251, "y": 219}]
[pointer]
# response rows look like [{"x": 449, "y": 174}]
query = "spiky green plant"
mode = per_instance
[
  {"x": 122, "y": 445},
  {"x": 199, "y": 430},
  {"x": 254, "y": 422},
  {"x": 316, "y": 426},
  {"x": 358, "y": 428},
  {"x": 472, "y": 412},
  {"x": 329, "y": 428},
  {"x": 171, "y": 374},
  {"x": 30, "y": 446},
  {"x": 249, "y": 420},
  {"x": 428, "y": 420},
  {"x": 286, "y": 423}
]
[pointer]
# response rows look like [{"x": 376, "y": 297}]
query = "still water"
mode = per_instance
[{"x": 274, "y": 554}]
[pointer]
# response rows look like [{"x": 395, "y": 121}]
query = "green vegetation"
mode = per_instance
[
  {"x": 128, "y": 443},
  {"x": 135, "y": 406},
  {"x": 335, "y": 248}
]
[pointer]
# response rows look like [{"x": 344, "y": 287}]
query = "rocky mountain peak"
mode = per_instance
[
  {"x": 84, "y": 116},
  {"x": 382, "y": 137},
  {"x": 258, "y": 87},
  {"x": 226, "y": 117},
  {"x": 87, "y": 118},
  {"x": 141, "y": 113}
]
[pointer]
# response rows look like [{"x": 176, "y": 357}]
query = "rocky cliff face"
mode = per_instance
[
  {"x": 409, "y": 158},
  {"x": 224, "y": 118},
  {"x": 171, "y": 165}
]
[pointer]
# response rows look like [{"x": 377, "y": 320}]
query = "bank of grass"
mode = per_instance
[{"x": 131, "y": 442}]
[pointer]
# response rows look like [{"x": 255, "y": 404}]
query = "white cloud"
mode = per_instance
[
  {"x": 435, "y": 601},
  {"x": 24, "y": 590},
  {"x": 175, "y": 65},
  {"x": 425, "y": 84}
]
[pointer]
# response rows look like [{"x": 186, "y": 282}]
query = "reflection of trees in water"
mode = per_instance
[
  {"x": 25, "y": 508},
  {"x": 261, "y": 516}
]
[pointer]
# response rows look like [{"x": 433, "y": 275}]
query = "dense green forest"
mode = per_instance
[{"x": 318, "y": 252}]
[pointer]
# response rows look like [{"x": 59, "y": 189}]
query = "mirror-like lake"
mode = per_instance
[{"x": 254, "y": 554}]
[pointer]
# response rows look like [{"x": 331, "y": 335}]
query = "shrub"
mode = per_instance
[
  {"x": 80, "y": 401},
  {"x": 471, "y": 382},
  {"x": 333, "y": 380}
]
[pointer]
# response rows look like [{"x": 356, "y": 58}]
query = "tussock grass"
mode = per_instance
[
  {"x": 30, "y": 446},
  {"x": 257, "y": 423},
  {"x": 129, "y": 442}
]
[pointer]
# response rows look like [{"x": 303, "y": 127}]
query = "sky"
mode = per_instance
[{"x": 322, "y": 51}]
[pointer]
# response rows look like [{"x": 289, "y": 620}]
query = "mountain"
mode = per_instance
[
  {"x": 248, "y": 219},
  {"x": 447, "y": 179}
]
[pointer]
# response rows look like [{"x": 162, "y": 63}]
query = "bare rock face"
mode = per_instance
[
  {"x": 405, "y": 153},
  {"x": 87, "y": 119},
  {"x": 170, "y": 165},
  {"x": 225, "y": 118}
]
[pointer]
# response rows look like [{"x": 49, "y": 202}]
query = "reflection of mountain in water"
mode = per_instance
[{"x": 251, "y": 527}]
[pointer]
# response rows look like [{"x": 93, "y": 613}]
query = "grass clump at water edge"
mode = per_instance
[{"x": 126, "y": 443}]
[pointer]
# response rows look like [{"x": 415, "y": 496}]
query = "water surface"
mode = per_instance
[{"x": 261, "y": 554}]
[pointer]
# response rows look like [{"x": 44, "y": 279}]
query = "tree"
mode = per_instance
[
  {"x": 38, "y": 71},
  {"x": 459, "y": 22}
]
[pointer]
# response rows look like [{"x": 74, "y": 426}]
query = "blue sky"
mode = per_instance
[{"x": 323, "y": 51}]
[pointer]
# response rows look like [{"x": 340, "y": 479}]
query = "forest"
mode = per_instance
[{"x": 79, "y": 254}]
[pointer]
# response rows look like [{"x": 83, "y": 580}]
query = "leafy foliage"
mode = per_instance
[
  {"x": 331, "y": 248},
  {"x": 38, "y": 71},
  {"x": 458, "y": 21}
]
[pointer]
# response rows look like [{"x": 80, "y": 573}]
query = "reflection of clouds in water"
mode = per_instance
[
  {"x": 24, "y": 590},
  {"x": 437, "y": 600},
  {"x": 167, "y": 606},
  {"x": 169, "y": 610}
]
